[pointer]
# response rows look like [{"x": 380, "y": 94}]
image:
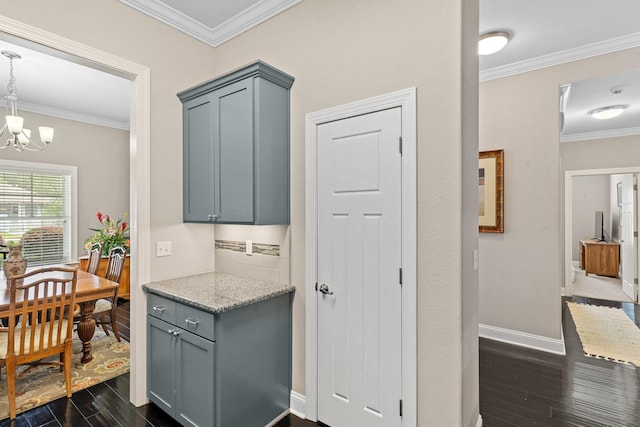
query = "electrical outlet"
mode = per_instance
[
  {"x": 163, "y": 248},
  {"x": 249, "y": 247}
]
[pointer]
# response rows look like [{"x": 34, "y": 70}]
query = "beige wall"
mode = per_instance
[
  {"x": 521, "y": 270},
  {"x": 101, "y": 155},
  {"x": 339, "y": 51}
]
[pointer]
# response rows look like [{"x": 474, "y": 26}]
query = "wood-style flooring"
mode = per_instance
[
  {"x": 518, "y": 387},
  {"x": 521, "y": 387}
]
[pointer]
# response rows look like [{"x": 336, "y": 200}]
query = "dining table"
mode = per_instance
[{"x": 89, "y": 289}]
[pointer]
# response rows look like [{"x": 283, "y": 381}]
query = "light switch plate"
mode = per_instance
[
  {"x": 475, "y": 259},
  {"x": 163, "y": 248}
]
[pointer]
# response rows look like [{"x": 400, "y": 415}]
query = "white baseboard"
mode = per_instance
[
  {"x": 278, "y": 418},
  {"x": 523, "y": 339},
  {"x": 298, "y": 404}
]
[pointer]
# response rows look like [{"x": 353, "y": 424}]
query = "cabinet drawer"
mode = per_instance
[
  {"x": 196, "y": 321},
  {"x": 162, "y": 308}
]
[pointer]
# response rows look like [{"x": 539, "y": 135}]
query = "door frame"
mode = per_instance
[
  {"x": 568, "y": 216},
  {"x": 139, "y": 177},
  {"x": 406, "y": 99}
]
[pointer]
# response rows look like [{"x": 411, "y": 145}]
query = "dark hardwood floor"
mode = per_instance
[
  {"x": 522, "y": 387},
  {"x": 518, "y": 387}
]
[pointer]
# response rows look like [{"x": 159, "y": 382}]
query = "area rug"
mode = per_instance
[
  {"x": 606, "y": 332},
  {"x": 44, "y": 383}
]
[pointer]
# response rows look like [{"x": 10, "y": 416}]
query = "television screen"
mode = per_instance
[{"x": 599, "y": 226}]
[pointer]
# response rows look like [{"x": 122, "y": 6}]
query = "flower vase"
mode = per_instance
[{"x": 15, "y": 264}]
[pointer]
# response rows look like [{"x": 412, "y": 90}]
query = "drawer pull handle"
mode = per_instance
[
  {"x": 159, "y": 308},
  {"x": 174, "y": 332},
  {"x": 191, "y": 321}
]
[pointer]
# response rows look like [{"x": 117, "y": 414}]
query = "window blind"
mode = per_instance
[{"x": 35, "y": 211}]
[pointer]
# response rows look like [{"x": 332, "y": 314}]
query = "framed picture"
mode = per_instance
[{"x": 491, "y": 191}]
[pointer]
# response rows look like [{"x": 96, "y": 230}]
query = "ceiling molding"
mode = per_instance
[
  {"x": 600, "y": 48},
  {"x": 71, "y": 115},
  {"x": 234, "y": 26},
  {"x": 603, "y": 134}
]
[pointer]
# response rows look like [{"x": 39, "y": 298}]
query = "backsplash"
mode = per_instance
[
  {"x": 257, "y": 248},
  {"x": 270, "y": 247}
]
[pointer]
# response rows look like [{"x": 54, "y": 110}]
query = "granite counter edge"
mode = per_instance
[{"x": 220, "y": 309}]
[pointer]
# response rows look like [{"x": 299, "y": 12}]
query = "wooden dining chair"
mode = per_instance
[
  {"x": 105, "y": 310},
  {"x": 44, "y": 328},
  {"x": 94, "y": 258}
]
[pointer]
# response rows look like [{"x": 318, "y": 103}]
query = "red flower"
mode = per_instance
[
  {"x": 99, "y": 215},
  {"x": 123, "y": 225}
]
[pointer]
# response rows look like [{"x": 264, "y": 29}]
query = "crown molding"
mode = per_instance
[
  {"x": 583, "y": 52},
  {"x": 250, "y": 17},
  {"x": 71, "y": 115},
  {"x": 601, "y": 134}
]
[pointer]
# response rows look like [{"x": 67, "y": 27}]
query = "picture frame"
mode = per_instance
[{"x": 491, "y": 191}]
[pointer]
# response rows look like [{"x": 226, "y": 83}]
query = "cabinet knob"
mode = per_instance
[{"x": 213, "y": 217}]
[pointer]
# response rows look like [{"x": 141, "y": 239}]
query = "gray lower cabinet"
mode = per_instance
[
  {"x": 225, "y": 370},
  {"x": 236, "y": 148}
]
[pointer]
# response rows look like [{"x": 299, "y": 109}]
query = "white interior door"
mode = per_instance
[
  {"x": 628, "y": 239},
  {"x": 359, "y": 260}
]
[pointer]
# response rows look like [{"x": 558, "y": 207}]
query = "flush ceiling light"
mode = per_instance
[
  {"x": 492, "y": 42},
  {"x": 607, "y": 112},
  {"x": 20, "y": 137}
]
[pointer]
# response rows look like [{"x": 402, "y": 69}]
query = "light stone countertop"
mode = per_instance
[{"x": 217, "y": 292}]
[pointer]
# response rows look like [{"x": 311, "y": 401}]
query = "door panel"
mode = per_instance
[
  {"x": 359, "y": 257},
  {"x": 197, "y": 159},
  {"x": 161, "y": 361},
  {"x": 234, "y": 152}
]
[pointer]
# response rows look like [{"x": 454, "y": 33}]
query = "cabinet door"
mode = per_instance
[
  {"x": 161, "y": 360},
  {"x": 198, "y": 159},
  {"x": 195, "y": 373},
  {"x": 234, "y": 153}
]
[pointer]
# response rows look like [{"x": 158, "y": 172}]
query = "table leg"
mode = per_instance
[{"x": 86, "y": 329}]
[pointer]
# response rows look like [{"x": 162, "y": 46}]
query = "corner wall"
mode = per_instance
[{"x": 348, "y": 50}]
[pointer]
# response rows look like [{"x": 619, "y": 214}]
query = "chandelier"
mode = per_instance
[{"x": 18, "y": 136}]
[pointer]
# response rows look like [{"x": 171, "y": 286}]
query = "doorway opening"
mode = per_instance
[
  {"x": 139, "y": 170},
  {"x": 601, "y": 245}
]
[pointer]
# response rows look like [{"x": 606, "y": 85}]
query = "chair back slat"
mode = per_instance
[
  {"x": 115, "y": 264},
  {"x": 94, "y": 258},
  {"x": 43, "y": 305}
]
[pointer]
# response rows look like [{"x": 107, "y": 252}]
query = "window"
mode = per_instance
[{"x": 37, "y": 210}]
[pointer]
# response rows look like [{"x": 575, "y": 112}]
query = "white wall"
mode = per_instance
[
  {"x": 521, "y": 271},
  {"x": 101, "y": 155},
  {"x": 590, "y": 194},
  {"x": 339, "y": 51}
]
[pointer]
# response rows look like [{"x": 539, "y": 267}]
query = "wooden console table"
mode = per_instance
[
  {"x": 601, "y": 258},
  {"x": 123, "y": 290}
]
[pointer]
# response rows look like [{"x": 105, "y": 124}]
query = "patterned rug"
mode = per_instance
[
  {"x": 45, "y": 383},
  {"x": 606, "y": 332}
]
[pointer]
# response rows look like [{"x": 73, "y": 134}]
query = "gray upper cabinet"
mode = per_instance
[{"x": 236, "y": 147}]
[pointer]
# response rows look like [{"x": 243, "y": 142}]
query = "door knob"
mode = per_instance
[{"x": 325, "y": 289}]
